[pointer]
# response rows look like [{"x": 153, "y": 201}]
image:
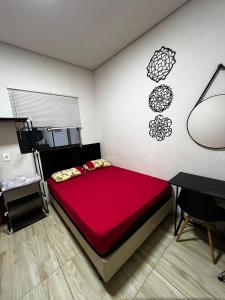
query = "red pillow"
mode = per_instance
[
  {"x": 89, "y": 166},
  {"x": 81, "y": 170}
]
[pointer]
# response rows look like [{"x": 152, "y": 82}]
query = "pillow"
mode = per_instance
[
  {"x": 89, "y": 166},
  {"x": 106, "y": 163},
  {"x": 82, "y": 171},
  {"x": 96, "y": 164},
  {"x": 67, "y": 174}
]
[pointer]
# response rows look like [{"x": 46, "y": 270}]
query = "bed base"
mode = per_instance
[{"x": 109, "y": 265}]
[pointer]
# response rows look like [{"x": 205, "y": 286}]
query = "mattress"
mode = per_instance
[{"x": 105, "y": 203}]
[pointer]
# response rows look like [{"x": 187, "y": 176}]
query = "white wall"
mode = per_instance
[
  {"x": 26, "y": 70},
  {"x": 196, "y": 33}
]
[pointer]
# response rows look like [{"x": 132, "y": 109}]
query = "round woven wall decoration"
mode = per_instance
[
  {"x": 160, "y": 98},
  {"x": 161, "y": 64},
  {"x": 160, "y": 128}
]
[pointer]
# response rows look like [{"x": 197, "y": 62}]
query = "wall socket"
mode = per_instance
[{"x": 6, "y": 157}]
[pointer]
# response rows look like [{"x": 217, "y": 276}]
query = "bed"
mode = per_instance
[{"x": 111, "y": 211}]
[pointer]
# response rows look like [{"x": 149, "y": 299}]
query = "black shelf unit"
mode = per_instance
[
  {"x": 23, "y": 206},
  {"x": 27, "y": 219},
  {"x": 33, "y": 206}
]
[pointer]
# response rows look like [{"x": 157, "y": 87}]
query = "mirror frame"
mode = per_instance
[
  {"x": 220, "y": 67},
  {"x": 207, "y": 147}
]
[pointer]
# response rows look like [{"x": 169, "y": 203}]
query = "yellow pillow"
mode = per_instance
[
  {"x": 105, "y": 162},
  {"x": 65, "y": 174},
  {"x": 96, "y": 164}
]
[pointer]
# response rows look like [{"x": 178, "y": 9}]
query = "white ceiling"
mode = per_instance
[{"x": 82, "y": 32}]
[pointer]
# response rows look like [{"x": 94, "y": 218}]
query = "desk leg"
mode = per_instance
[
  {"x": 221, "y": 276},
  {"x": 9, "y": 223},
  {"x": 175, "y": 220},
  {"x": 177, "y": 227}
]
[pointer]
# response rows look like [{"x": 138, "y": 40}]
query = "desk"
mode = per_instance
[{"x": 204, "y": 185}]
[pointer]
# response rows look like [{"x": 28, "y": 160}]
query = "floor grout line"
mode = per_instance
[
  {"x": 39, "y": 283},
  {"x": 163, "y": 275},
  {"x": 159, "y": 257},
  {"x": 153, "y": 267},
  {"x": 65, "y": 275},
  {"x": 67, "y": 283},
  {"x": 70, "y": 234},
  {"x": 57, "y": 269},
  {"x": 176, "y": 288},
  {"x": 143, "y": 282},
  {"x": 182, "y": 293},
  {"x": 53, "y": 246}
]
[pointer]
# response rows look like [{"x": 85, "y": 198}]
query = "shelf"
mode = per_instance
[
  {"x": 27, "y": 219},
  {"x": 24, "y": 205},
  {"x": 13, "y": 119}
]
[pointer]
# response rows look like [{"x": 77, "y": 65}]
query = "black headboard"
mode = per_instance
[{"x": 66, "y": 157}]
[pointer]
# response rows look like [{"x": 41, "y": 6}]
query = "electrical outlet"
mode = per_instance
[{"x": 6, "y": 156}]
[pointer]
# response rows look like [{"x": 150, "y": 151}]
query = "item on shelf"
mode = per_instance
[{"x": 18, "y": 182}]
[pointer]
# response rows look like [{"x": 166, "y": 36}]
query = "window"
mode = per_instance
[{"x": 55, "y": 119}]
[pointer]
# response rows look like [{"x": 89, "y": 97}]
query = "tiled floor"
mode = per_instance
[{"x": 43, "y": 261}]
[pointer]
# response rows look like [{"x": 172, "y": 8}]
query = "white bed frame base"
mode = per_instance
[{"x": 109, "y": 265}]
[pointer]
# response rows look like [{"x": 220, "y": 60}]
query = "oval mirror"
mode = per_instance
[{"x": 206, "y": 122}]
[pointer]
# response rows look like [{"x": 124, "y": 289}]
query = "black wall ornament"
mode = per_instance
[
  {"x": 160, "y": 98},
  {"x": 161, "y": 64},
  {"x": 206, "y": 121},
  {"x": 160, "y": 128}
]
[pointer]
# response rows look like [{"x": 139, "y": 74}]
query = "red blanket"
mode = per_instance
[{"x": 104, "y": 203}]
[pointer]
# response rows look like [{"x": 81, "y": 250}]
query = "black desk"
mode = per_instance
[{"x": 204, "y": 185}]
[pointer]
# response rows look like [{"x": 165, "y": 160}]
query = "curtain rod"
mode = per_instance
[{"x": 59, "y": 128}]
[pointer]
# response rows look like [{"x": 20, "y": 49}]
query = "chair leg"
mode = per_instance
[
  {"x": 183, "y": 227},
  {"x": 210, "y": 243}
]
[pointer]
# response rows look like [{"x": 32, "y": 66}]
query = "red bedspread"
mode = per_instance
[{"x": 104, "y": 203}]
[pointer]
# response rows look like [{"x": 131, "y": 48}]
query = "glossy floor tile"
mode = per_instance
[
  {"x": 54, "y": 287},
  {"x": 63, "y": 242},
  {"x": 8, "y": 241},
  {"x": 124, "y": 285},
  {"x": 52, "y": 220},
  {"x": 155, "y": 246},
  {"x": 187, "y": 266},
  {"x": 44, "y": 261},
  {"x": 25, "y": 264},
  {"x": 157, "y": 287}
]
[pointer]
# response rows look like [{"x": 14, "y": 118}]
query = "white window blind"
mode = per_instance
[{"x": 45, "y": 110}]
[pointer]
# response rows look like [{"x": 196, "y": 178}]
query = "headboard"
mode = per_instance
[{"x": 67, "y": 157}]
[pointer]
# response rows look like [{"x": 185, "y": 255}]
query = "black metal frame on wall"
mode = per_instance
[{"x": 220, "y": 67}]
